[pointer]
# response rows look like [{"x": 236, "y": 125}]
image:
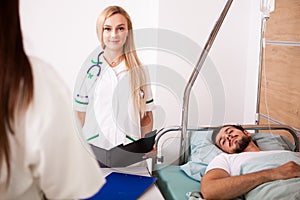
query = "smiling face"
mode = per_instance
[
  {"x": 232, "y": 140},
  {"x": 115, "y": 31}
]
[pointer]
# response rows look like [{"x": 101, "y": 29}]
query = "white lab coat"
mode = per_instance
[
  {"x": 114, "y": 109},
  {"x": 48, "y": 155},
  {"x": 109, "y": 108}
]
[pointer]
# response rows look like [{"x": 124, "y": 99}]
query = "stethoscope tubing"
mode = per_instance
[{"x": 98, "y": 65}]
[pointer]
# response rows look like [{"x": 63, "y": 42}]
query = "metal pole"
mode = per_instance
[
  {"x": 261, "y": 58},
  {"x": 193, "y": 77}
]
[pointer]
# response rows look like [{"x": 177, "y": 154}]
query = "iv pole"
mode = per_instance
[
  {"x": 266, "y": 7},
  {"x": 193, "y": 77}
]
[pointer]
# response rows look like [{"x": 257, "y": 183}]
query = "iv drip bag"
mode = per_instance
[{"x": 266, "y": 7}]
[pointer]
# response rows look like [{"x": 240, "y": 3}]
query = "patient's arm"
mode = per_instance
[
  {"x": 147, "y": 123},
  {"x": 81, "y": 117},
  {"x": 218, "y": 184}
]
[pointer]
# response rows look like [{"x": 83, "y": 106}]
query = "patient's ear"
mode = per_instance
[{"x": 247, "y": 133}]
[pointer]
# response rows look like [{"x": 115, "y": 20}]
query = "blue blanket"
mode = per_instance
[{"x": 281, "y": 189}]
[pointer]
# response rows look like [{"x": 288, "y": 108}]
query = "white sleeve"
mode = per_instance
[
  {"x": 80, "y": 93},
  {"x": 60, "y": 159},
  {"x": 219, "y": 162},
  {"x": 85, "y": 81},
  {"x": 148, "y": 93}
]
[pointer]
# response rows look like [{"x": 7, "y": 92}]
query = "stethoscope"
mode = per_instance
[
  {"x": 90, "y": 75},
  {"x": 97, "y": 65}
]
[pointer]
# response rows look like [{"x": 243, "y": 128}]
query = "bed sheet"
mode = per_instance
[
  {"x": 281, "y": 189},
  {"x": 173, "y": 182}
]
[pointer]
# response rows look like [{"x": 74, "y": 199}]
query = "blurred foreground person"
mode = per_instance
[{"x": 42, "y": 156}]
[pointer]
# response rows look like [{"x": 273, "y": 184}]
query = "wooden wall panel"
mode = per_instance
[
  {"x": 280, "y": 88},
  {"x": 284, "y": 22},
  {"x": 282, "y": 85}
]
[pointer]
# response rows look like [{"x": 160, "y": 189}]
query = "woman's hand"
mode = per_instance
[
  {"x": 147, "y": 123},
  {"x": 151, "y": 154}
]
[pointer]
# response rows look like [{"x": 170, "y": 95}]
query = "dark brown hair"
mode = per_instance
[{"x": 16, "y": 81}]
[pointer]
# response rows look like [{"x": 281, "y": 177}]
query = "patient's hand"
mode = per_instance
[{"x": 286, "y": 171}]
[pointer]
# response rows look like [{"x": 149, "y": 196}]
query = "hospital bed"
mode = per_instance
[
  {"x": 184, "y": 153},
  {"x": 176, "y": 177}
]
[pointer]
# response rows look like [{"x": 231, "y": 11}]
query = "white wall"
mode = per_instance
[
  {"x": 225, "y": 91},
  {"x": 169, "y": 38},
  {"x": 63, "y": 33}
]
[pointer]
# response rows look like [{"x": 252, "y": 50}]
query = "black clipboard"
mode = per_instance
[
  {"x": 125, "y": 155},
  {"x": 123, "y": 186}
]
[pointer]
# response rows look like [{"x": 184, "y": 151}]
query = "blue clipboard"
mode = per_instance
[{"x": 120, "y": 186}]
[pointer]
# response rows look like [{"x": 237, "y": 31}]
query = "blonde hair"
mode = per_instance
[{"x": 132, "y": 62}]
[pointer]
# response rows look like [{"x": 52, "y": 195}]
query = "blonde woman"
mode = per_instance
[{"x": 113, "y": 97}]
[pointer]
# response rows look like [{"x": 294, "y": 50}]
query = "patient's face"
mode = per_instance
[{"x": 232, "y": 140}]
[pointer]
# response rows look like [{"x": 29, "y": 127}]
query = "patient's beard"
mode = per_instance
[{"x": 242, "y": 144}]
